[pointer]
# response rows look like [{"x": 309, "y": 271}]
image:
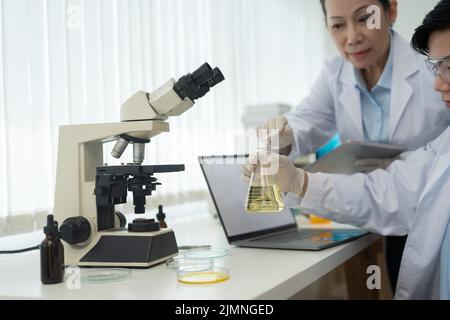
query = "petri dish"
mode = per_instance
[
  {"x": 215, "y": 275},
  {"x": 192, "y": 265},
  {"x": 105, "y": 275},
  {"x": 212, "y": 253}
]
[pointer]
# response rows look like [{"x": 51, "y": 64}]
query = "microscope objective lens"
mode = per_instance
[{"x": 119, "y": 148}]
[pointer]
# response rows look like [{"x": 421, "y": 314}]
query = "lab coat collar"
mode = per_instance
[
  {"x": 350, "y": 99},
  {"x": 404, "y": 65},
  {"x": 386, "y": 77}
]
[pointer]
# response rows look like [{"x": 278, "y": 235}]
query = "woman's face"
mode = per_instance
[{"x": 351, "y": 26}]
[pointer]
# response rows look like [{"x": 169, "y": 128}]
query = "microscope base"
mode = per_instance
[{"x": 131, "y": 250}]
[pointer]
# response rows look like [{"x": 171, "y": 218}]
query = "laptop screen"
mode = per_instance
[{"x": 229, "y": 192}]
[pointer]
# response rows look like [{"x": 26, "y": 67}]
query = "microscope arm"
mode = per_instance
[
  {"x": 106, "y": 132},
  {"x": 80, "y": 152}
]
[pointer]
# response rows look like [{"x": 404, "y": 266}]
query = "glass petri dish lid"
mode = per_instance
[
  {"x": 193, "y": 265},
  {"x": 212, "y": 253},
  {"x": 107, "y": 275}
]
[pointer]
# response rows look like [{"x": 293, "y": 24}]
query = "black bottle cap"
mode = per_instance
[
  {"x": 51, "y": 229},
  {"x": 161, "y": 215}
]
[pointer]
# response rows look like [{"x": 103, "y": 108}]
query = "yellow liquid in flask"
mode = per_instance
[{"x": 264, "y": 199}]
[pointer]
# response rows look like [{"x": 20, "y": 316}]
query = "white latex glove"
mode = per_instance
[
  {"x": 287, "y": 176},
  {"x": 276, "y": 127},
  {"x": 368, "y": 165}
]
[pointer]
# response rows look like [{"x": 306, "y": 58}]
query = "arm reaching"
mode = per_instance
[{"x": 384, "y": 201}]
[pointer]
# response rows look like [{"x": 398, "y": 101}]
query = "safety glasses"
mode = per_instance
[{"x": 440, "y": 67}]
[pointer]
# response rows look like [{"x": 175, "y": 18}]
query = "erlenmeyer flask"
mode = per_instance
[{"x": 264, "y": 194}]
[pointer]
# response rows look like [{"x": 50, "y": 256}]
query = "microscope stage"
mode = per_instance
[{"x": 133, "y": 170}]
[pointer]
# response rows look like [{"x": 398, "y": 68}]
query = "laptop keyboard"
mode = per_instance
[{"x": 290, "y": 236}]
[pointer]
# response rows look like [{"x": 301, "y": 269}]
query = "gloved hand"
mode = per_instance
[
  {"x": 287, "y": 176},
  {"x": 278, "y": 126}
]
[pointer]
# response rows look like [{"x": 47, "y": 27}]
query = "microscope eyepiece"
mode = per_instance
[
  {"x": 203, "y": 74},
  {"x": 218, "y": 77},
  {"x": 195, "y": 85}
]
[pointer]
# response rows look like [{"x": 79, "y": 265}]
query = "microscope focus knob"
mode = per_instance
[{"x": 75, "y": 230}]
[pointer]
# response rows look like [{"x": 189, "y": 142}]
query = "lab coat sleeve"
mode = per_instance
[
  {"x": 383, "y": 201},
  {"x": 313, "y": 120}
]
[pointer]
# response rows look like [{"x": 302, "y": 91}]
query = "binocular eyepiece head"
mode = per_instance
[{"x": 195, "y": 85}]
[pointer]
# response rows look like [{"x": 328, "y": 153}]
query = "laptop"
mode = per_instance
[{"x": 270, "y": 231}]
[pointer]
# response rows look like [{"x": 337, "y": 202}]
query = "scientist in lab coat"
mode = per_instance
[
  {"x": 412, "y": 196},
  {"x": 377, "y": 90}
]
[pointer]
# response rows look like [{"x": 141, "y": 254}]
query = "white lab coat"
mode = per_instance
[
  {"x": 417, "y": 114},
  {"x": 411, "y": 197}
]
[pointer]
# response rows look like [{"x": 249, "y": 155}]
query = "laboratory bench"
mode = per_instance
[{"x": 254, "y": 273}]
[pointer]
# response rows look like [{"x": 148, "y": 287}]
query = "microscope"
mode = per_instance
[{"x": 87, "y": 190}]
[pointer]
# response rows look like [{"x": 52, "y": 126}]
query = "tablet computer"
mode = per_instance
[{"x": 342, "y": 159}]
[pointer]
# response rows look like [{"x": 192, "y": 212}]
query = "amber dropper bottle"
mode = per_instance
[{"x": 52, "y": 254}]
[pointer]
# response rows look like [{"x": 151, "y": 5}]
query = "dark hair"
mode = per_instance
[
  {"x": 436, "y": 20},
  {"x": 386, "y": 5}
]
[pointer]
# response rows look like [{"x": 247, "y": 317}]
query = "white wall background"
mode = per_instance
[{"x": 411, "y": 15}]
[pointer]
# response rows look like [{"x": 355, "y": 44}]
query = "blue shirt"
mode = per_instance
[
  {"x": 376, "y": 104},
  {"x": 445, "y": 266}
]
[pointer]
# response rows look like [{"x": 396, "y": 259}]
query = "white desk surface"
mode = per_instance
[{"x": 254, "y": 273}]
